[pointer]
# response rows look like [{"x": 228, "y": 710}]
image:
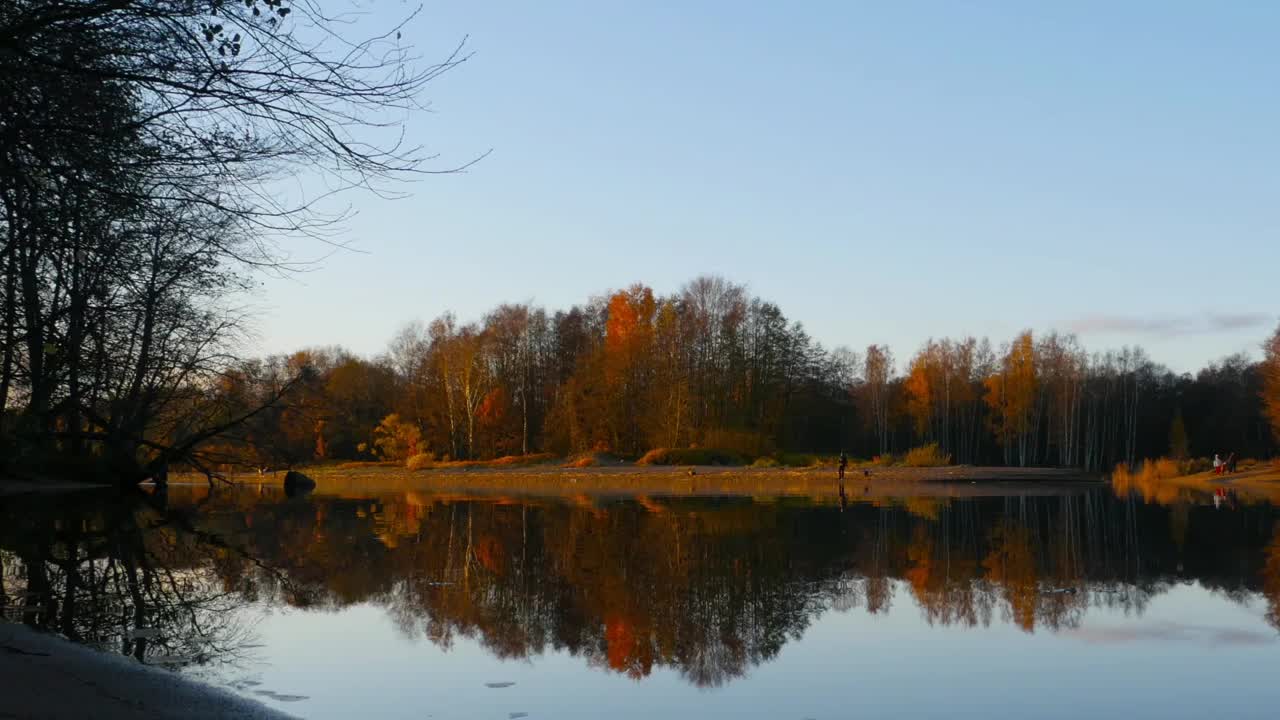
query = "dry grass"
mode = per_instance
[
  {"x": 582, "y": 461},
  {"x": 505, "y": 461},
  {"x": 1166, "y": 480},
  {"x": 627, "y": 479},
  {"x": 421, "y": 461},
  {"x": 803, "y": 460},
  {"x": 926, "y": 456},
  {"x": 691, "y": 456},
  {"x": 1159, "y": 469},
  {"x": 594, "y": 459},
  {"x": 357, "y": 464}
]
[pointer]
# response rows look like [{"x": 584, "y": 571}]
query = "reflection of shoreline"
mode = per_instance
[{"x": 1257, "y": 484}]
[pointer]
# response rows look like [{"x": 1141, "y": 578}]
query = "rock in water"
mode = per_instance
[{"x": 295, "y": 483}]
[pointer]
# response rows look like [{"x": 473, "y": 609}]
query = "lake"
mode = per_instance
[{"x": 1072, "y": 602}]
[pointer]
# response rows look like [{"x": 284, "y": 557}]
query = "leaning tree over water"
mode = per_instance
[{"x": 142, "y": 145}]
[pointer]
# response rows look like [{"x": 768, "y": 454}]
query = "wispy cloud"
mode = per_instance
[
  {"x": 1170, "y": 632},
  {"x": 1170, "y": 325}
]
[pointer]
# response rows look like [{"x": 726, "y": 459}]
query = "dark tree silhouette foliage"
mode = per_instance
[{"x": 141, "y": 145}]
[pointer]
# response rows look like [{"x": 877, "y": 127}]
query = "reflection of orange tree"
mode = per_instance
[
  {"x": 942, "y": 576},
  {"x": 1271, "y": 578},
  {"x": 706, "y": 587},
  {"x": 1011, "y": 566}
]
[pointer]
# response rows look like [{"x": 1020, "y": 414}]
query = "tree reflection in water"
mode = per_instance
[
  {"x": 122, "y": 575},
  {"x": 709, "y": 587}
]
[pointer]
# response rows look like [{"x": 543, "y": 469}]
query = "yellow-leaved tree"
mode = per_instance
[
  {"x": 1011, "y": 394},
  {"x": 397, "y": 439}
]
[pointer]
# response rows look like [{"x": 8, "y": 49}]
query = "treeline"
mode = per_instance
[{"x": 711, "y": 366}]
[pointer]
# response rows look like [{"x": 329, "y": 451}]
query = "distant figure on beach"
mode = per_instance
[
  {"x": 1231, "y": 463},
  {"x": 844, "y": 463},
  {"x": 1217, "y": 464}
]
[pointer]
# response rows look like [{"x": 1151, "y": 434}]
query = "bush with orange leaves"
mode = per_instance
[{"x": 927, "y": 456}]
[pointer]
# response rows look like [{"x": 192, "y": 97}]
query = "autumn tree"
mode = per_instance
[
  {"x": 396, "y": 439},
  {"x": 1271, "y": 381},
  {"x": 1012, "y": 395},
  {"x": 629, "y": 364},
  {"x": 630, "y": 370}
]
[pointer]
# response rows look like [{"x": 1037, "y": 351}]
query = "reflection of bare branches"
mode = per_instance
[{"x": 117, "y": 582}]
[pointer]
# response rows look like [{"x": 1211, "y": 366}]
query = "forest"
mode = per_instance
[{"x": 710, "y": 366}]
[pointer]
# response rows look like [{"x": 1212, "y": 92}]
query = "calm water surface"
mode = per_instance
[{"x": 410, "y": 604}]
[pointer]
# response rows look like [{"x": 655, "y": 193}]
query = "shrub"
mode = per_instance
[
  {"x": 532, "y": 459},
  {"x": 765, "y": 462},
  {"x": 656, "y": 456},
  {"x": 1160, "y": 469},
  {"x": 504, "y": 461},
  {"x": 420, "y": 461},
  {"x": 800, "y": 459},
  {"x": 357, "y": 464},
  {"x": 592, "y": 459},
  {"x": 884, "y": 460},
  {"x": 1192, "y": 466},
  {"x": 1164, "y": 467},
  {"x": 396, "y": 439},
  {"x": 926, "y": 456},
  {"x": 690, "y": 456}
]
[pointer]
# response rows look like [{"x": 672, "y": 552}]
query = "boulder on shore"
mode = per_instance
[{"x": 295, "y": 483}]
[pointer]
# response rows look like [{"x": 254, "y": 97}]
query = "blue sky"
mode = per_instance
[{"x": 885, "y": 172}]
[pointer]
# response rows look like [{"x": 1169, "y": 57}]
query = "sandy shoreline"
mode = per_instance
[
  {"x": 631, "y": 480},
  {"x": 553, "y": 478},
  {"x": 628, "y": 480},
  {"x": 1261, "y": 482},
  {"x": 48, "y": 677}
]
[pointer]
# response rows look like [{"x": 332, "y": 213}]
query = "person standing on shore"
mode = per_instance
[
  {"x": 1217, "y": 464},
  {"x": 844, "y": 463}
]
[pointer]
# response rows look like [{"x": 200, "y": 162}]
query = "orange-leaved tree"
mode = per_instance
[
  {"x": 1271, "y": 381},
  {"x": 628, "y": 363}
]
